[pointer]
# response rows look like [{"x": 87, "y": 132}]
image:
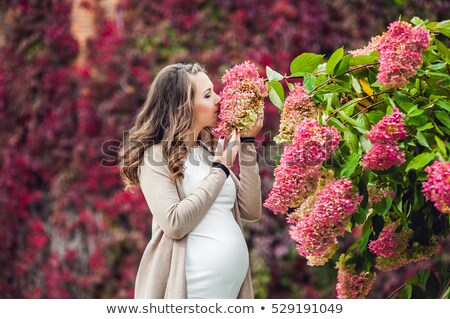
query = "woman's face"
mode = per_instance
[{"x": 206, "y": 102}]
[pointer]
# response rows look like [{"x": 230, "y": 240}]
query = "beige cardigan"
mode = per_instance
[{"x": 161, "y": 272}]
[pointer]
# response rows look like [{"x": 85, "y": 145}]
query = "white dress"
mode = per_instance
[{"x": 217, "y": 255}]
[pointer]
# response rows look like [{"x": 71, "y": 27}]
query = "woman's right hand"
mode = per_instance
[{"x": 226, "y": 152}]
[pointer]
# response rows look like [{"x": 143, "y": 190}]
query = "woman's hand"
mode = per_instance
[
  {"x": 226, "y": 152},
  {"x": 253, "y": 131}
]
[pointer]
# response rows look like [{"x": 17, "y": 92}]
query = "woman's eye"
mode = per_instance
[{"x": 208, "y": 96}]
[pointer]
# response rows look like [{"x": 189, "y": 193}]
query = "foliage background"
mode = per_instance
[{"x": 66, "y": 227}]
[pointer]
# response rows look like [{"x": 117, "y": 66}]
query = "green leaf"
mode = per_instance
[
  {"x": 351, "y": 140},
  {"x": 441, "y": 145},
  {"x": 425, "y": 127},
  {"x": 273, "y": 75},
  {"x": 418, "y": 120},
  {"x": 279, "y": 89},
  {"x": 444, "y": 28},
  {"x": 406, "y": 291},
  {"x": 422, "y": 277},
  {"x": 343, "y": 65},
  {"x": 413, "y": 112},
  {"x": 365, "y": 143},
  {"x": 351, "y": 162},
  {"x": 420, "y": 161},
  {"x": 275, "y": 99},
  {"x": 320, "y": 79},
  {"x": 422, "y": 140},
  {"x": 437, "y": 66},
  {"x": 333, "y": 88},
  {"x": 417, "y": 21},
  {"x": 276, "y": 94},
  {"x": 443, "y": 51},
  {"x": 363, "y": 120},
  {"x": 334, "y": 60},
  {"x": 383, "y": 207},
  {"x": 308, "y": 81},
  {"x": 365, "y": 237},
  {"x": 305, "y": 63},
  {"x": 337, "y": 124},
  {"x": 443, "y": 104},
  {"x": 443, "y": 118},
  {"x": 355, "y": 124},
  {"x": 364, "y": 59},
  {"x": 375, "y": 116},
  {"x": 360, "y": 216},
  {"x": 356, "y": 86},
  {"x": 446, "y": 294}
]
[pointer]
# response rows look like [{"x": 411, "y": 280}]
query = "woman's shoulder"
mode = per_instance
[{"x": 153, "y": 155}]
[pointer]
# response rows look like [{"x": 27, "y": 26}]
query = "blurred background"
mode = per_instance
[{"x": 73, "y": 75}]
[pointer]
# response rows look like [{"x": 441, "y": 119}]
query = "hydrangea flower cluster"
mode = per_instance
[
  {"x": 389, "y": 130},
  {"x": 412, "y": 254},
  {"x": 242, "y": 99},
  {"x": 437, "y": 187},
  {"x": 298, "y": 105},
  {"x": 371, "y": 46},
  {"x": 400, "y": 52},
  {"x": 390, "y": 243},
  {"x": 322, "y": 217},
  {"x": 384, "y": 136},
  {"x": 383, "y": 156},
  {"x": 352, "y": 284},
  {"x": 297, "y": 175}
]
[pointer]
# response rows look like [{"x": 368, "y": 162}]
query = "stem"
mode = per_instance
[
  {"x": 285, "y": 77},
  {"x": 357, "y": 101},
  {"x": 368, "y": 107},
  {"x": 396, "y": 290}
]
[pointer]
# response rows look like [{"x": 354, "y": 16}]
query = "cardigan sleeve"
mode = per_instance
[
  {"x": 249, "y": 193},
  {"x": 176, "y": 217}
]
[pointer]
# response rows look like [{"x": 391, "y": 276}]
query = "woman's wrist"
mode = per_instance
[
  {"x": 247, "y": 139},
  {"x": 221, "y": 166}
]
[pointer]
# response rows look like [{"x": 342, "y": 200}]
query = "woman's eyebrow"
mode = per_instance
[{"x": 207, "y": 90}]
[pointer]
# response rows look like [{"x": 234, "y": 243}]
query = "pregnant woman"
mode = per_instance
[{"x": 197, "y": 248}]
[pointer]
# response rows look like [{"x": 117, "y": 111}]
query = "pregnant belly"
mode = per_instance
[{"x": 216, "y": 258}]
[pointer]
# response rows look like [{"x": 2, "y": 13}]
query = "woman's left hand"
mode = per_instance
[{"x": 253, "y": 131}]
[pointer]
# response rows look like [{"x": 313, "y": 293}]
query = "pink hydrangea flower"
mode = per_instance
[
  {"x": 371, "y": 46},
  {"x": 437, "y": 187},
  {"x": 400, "y": 52},
  {"x": 293, "y": 182},
  {"x": 242, "y": 99},
  {"x": 384, "y": 135},
  {"x": 352, "y": 284},
  {"x": 390, "y": 129},
  {"x": 297, "y": 175},
  {"x": 415, "y": 253},
  {"x": 383, "y": 156},
  {"x": 390, "y": 243},
  {"x": 321, "y": 218},
  {"x": 298, "y": 105}
]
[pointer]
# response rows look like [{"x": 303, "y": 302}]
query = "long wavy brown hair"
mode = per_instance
[{"x": 167, "y": 118}]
